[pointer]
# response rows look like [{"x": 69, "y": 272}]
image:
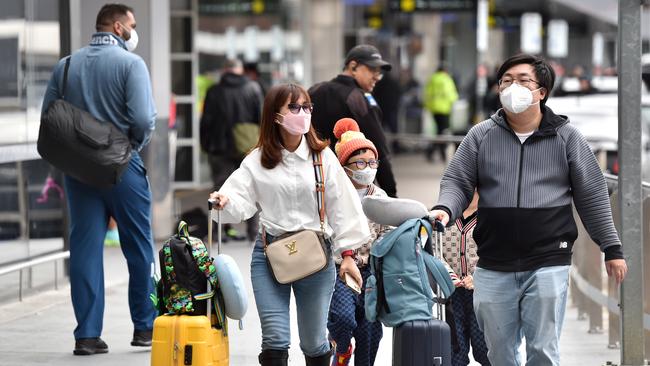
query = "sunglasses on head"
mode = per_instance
[{"x": 295, "y": 107}]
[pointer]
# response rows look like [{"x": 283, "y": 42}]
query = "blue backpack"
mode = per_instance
[{"x": 404, "y": 274}]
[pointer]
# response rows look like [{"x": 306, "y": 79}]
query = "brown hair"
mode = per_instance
[{"x": 270, "y": 141}]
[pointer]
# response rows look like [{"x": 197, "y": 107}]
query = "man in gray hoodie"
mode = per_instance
[{"x": 527, "y": 164}]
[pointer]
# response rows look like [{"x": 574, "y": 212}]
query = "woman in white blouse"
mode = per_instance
[{"x": 278, "y": 176}]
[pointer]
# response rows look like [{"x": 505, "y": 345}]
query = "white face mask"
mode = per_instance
[
  {"x": 363, "y": 177},
  {"x": 132, "y": 42},
  {"x": 517, "y": 98}
]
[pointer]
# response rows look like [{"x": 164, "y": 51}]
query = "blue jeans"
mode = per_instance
[
  {"x": 513, "y": 305},
  {"x": 313, "y": 295},
  {"x": 129, "y": 202}
]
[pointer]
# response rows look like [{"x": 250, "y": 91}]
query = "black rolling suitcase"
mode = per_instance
[{"x": 424, "y": 342}]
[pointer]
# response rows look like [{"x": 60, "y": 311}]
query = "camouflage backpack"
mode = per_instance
[{"x": 184, "y": 267}]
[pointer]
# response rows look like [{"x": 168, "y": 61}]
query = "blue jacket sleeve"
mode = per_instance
[{"x": 141, "y": 110}]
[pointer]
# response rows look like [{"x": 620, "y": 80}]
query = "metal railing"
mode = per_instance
[
  {"x": 592, "y": 290},
  {"x": 22, "y": 265}
]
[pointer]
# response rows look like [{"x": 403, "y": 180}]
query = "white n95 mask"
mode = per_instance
[{"x": 516, "y": 98}]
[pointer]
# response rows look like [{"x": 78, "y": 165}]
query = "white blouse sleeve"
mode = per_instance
[
  {"x": 344, "y": 212},
  {"x": 240, "y": 190}
]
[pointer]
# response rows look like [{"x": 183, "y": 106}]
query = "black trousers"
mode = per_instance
[{"x": 442, "y": 123}]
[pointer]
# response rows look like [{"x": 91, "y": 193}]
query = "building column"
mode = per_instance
[
  {"x": 158, "y": 158},
  {"x": 429, "y": 26},
  {"x": 322, "y": 28}
]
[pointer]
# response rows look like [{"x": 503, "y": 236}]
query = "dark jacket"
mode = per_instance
[
  {"x": 525, "y": 217},
  {"x": 341, "y": 97},
  {"x": 234, "y": 99}
]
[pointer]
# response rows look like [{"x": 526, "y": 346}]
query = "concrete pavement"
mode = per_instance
[{"x": 39, "y": 330}]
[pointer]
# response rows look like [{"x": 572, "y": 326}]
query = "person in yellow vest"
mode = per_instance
[{"x": 439, "y": 96}]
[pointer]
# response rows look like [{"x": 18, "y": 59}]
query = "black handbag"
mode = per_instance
[{"x": 75, "y": 142}]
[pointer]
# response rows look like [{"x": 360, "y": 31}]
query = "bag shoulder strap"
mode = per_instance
[
  {"x": 319, "y": 173},
  {"x": 183, "y": 230},
  {"x": 382, "y": 303},
  {"x": 440, "y": 275},
  {"x": 65, "y": 77}
]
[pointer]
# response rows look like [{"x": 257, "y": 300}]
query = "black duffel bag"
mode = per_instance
[{"x": 75, "y": 142}]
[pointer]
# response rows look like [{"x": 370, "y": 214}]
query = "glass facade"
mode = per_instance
[
  {"x": 204, "y": 33},
  {"x": 29, "y": 49},
  {"x": 31, "y": 193}
]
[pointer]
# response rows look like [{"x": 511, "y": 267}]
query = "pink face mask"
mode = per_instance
[{"x": 296, "y": 124}]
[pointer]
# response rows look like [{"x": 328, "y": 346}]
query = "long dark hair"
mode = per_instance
[{"x": 270, "y": 141}]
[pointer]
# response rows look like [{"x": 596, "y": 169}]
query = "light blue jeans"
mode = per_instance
[
  {"x": 313, "y": 295},
  {"x": 510, "y": 306}
]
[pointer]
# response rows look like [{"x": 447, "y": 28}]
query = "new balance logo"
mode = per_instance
[{"x": 564, "y": 245}]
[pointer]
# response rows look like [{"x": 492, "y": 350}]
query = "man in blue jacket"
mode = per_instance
[
  {"x": 528, "y": 165},
  {"x": 110, "y": 82}
]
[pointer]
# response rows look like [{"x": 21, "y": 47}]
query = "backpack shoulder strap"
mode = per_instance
[
  {"x": 381, "y": 291},
  {"x": 203, "y": 260},
  {"x": 440, "y": 275}
]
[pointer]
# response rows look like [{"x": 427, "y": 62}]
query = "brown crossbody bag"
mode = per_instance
[{"x": 294, "y": 256}]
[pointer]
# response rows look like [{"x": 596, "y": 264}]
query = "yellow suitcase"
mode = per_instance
[
  {"x": 191, "y": 340},
  {"x": 180, "y": 340}
]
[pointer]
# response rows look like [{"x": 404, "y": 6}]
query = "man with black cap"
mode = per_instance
[{"x": 348, "y": 95}]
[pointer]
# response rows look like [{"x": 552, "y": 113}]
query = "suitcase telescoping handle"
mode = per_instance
[
  {"x": 211, "y": 205},
  {"x": 438, "y": 229}
]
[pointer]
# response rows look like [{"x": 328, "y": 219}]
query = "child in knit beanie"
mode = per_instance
[{"x": 359, "y": 159}]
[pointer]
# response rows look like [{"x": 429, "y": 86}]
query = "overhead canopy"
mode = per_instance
[{"x": 607, "y": 11}]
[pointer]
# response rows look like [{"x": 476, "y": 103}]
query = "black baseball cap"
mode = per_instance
[{"x": 367, "y": 55}]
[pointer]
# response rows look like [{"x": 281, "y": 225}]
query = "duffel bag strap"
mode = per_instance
[{"x": 65, "y": 77}]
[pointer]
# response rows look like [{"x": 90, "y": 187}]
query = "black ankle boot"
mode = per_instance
[
  {"x": 272, "y": 357},
  {"x": 322, "y": 360}
]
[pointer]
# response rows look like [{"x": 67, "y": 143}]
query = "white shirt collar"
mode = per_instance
[{"x": 302, "y": 151}]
